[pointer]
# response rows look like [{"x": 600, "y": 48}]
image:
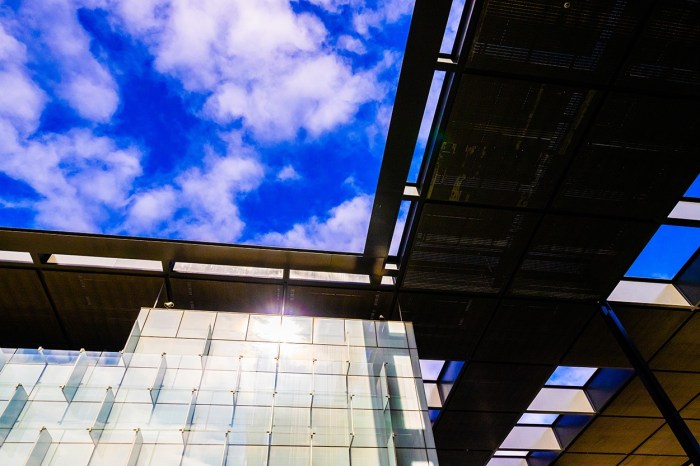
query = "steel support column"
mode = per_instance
[{"x": 658, "y": 395}]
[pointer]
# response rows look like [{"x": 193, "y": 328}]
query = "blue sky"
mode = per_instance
[{"x": 215, "y": 120}]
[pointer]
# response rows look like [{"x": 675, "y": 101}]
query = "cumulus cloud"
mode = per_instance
[
  {"x": 288, "y": 173},
  {"x": 351, "y": 44},
  {"x": 85, "y": 84},
  {"x": 78, "y": 177},
  {"x": 345, "y": 229},
  {"x": 261, "y": 63},
  {"x": 201, "y": 203},
  {"x": 386, "y": 12}
]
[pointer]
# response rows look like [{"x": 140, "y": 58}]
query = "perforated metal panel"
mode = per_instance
[
  {"x": 466, "y": 249},
  {"x": 507, "y": 141},
  {"x": 582, "y": 40}
]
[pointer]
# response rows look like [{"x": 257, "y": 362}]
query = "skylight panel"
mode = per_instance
[
  {"x": 685, "y": 210},
  {"x": 453, "y": 20},
  {"x": 105, "y": 262},
  {"x": 520, "y": 453},
  {"x": 561, "y": 400},
  {"x": 538, "y": 419},
  {"x": 228, "y": 270},
  {"x": 432, "y": 395},
  {"x": 336, "y": 277},
  {"x": 507, "y": 462},
  {"x": 694, "y": 190},
  {"x": 666, "y": 253},
  {"x": 663, "y": 294},
  {"x": 571, "y": 376},
  {"x": 16, "y": 256},
  {"x": 531, "y": 438},
  {"x": 431, "y": 368}
]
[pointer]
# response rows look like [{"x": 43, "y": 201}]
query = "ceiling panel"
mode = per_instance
[
  {"x": 532, "y": 332},
  {"x": 641, "y": 460},
  {"x": 463, "y": 458},
  {"x": 648, "y": 328},
  {"x": 582, "y": 40},
  {"x": 497, "y": 387},
  {"x": 98, "y": 310},
  {"x": 583, "y": 459},
  {"x": 667, "y": 54},
  {"x": 26, "y": 317},
  {"x": 637, "y": 160},
  {"x": 579, "y": 257},
  {"x": 664, "y": 442},
  {"x": 466, "y": 249},
  {"x": 447, "y": 327},
  {"x": 507, "y": 142},
  {"x": 226, "y": 296},
  {"x": 614, "y": 435},
  {"x": 634, "y": 400},
  {"x": 472, "y": 430},
  {"x": 681, "y": 352}
]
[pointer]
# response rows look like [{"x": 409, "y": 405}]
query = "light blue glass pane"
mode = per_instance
[
  {"x": 666, "y": 253},
  {"x": 571, "y": 376}
]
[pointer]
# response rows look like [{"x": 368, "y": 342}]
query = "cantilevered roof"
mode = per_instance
[{"x": 565, "y": 135}]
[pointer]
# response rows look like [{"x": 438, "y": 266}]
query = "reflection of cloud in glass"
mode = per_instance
[
  {"x": 571, "y": 376},
  {"x": 430, "y": 368}
]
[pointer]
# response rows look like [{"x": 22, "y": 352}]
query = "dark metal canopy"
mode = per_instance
[{"x": 564, "y": 135}]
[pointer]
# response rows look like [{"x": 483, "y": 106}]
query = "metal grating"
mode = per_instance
[
  {"x": 578, "y": 258},
  {"x": 507, "y": 141},
  {"x": 581, "y": 40},
  {"x": 668, "y": 52},
  {"x": 466, "y": 249},
  {"x": 446, "y": 327}
]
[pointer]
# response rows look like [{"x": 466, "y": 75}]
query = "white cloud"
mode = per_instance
[
  {"x": 387, "y": 11},
  {"x": 201, "y": 203},
  {"x": 85, "y": 84},
  {"x": 79, "y": 177},
  {"x": 261, "y": 63},
  {"x": 288, "y": 173},
  {"x": 352, "y": 44},
  {"x": 345, "y": 229}
]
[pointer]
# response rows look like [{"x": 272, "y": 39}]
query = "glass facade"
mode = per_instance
[{"x": 215, "y": 388}]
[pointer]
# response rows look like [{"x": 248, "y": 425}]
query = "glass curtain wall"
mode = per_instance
[{"x": 220, "y": 388}]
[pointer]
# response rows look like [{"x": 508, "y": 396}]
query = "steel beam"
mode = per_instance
[{"x": 663, "y": 402}]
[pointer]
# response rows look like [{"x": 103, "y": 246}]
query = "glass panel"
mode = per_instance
[
  {"x": 71, "y": 454},
  {"x": 296, "y": 329},
  {"x": 432, "y": 395},
  {"x": 163, "y": 455},
  {"x": 453, "y": 20},
  {"x": 408, "y": 427},
  {"x": 264, "y": 328},
  {"x": 361, "y": 332},
  {"x": 246, "y": 455},
  {"x": 289, "y": 456},
  {"x": 329, "y": 331},
  {"x": 330, "y": 456},
  {"x": 196, "y": 324},
  {"x": 531, "y": 438},
  {"x": 162, "y": 323},
  {"x": 331, "y": 427},
  {"x": 291, "y": 426},
  {"x": 230, "y": 326},
  {"x": 369, "y": 456},
  {"x": 571, "y": 376},
  {"x": 198, "y": 455},
  {"x": 665, "y": 254},
  {"x": 534, "y": 418},
  {"x": 430, "y": 368},
  {"x": 391, "y": 334}
]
